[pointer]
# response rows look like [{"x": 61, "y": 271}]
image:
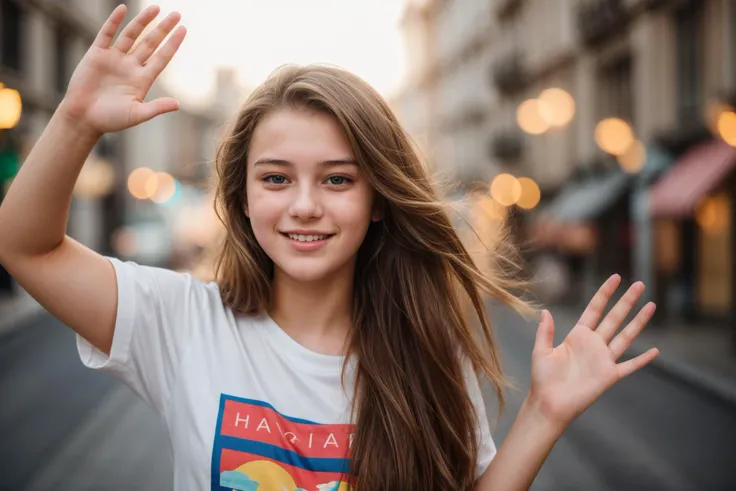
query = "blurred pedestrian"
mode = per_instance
[{"x": 332, "y": 350}]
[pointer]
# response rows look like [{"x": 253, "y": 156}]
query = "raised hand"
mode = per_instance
[
  {"x": 107, "y": 90},
  {"x": 568, "y": 378}
]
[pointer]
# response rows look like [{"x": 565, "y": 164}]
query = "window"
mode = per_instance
[
  {"x": 689, "y": 29},
  {"x": 61, "y": 59},
  {"x": 11, "y": 27}
]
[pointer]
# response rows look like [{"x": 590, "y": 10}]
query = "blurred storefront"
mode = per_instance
[
  {"x": 693, "y": 208},
  {"x": 589, "y": 224}
]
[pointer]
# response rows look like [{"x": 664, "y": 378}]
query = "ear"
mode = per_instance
[{"x": 245, "y": 210}]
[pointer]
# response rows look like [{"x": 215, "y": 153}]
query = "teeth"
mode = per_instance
[{"x": 306, "y": 238}]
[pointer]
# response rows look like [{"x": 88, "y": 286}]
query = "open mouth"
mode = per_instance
[{"x": 307, "y": 238}]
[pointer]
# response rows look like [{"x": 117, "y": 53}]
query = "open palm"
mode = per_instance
[
  {"x": 568, "y": 378},
  {"x": 108, "y": 87}
]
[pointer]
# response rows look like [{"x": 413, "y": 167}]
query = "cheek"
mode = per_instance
[
  {"x": 353, "y": 209},
  {"x": 263, "y": 209}
]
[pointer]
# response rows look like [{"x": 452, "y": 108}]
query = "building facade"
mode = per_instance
[
  {"x": 664, "y": 67},
  {"x": 40, "y": 44}
]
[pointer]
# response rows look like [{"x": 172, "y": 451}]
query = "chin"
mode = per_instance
[{"x": 307, "y": 271}]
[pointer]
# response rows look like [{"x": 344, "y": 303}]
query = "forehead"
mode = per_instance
[{"x": 299, "y": 136}]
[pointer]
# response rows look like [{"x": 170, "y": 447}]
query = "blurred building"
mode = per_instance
[
  {"x": 41, "y": 42},
  {"x": 657, "y": 204}
]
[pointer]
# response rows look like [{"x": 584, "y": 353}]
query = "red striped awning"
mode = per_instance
[{"x": 699, "y": 171}]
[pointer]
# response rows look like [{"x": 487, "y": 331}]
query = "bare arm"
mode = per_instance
[
  {"x": 106, "y": 94},
  {"x": 566, "y": 380},
  {"x": 522, "y": 453},
  {"x": 73, "y": 282}
]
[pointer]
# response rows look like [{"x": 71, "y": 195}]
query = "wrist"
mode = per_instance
[
  {"x": 536, "y": 410},
  {"x": 76, "y": 124}
]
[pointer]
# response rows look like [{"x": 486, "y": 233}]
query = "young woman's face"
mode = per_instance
[{"x": 308, "y": 204}]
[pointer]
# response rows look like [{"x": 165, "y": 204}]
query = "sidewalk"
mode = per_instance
[
  {"x": 16, "y": 309},
  {"x": 700, "y": 355}
]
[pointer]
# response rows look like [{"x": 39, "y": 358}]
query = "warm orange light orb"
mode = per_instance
[
  {"x": 530, "y": 193},
  {"x": 614, "y": 136},
  {"x": 530, "y": 119},
  {"x": 505, "y": 189},
  {"x": 557, "y": 107}
]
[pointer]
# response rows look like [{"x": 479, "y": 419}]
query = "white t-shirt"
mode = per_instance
[{"x": 244, "y": 403}]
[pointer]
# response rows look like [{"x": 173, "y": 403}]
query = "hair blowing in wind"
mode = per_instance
[{"x": 413, "y": 280}]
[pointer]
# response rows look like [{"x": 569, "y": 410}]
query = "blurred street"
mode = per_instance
[{"x": 67, "y": 428}]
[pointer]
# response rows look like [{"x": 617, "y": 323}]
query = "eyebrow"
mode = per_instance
[{"x": 331, "y": 162}]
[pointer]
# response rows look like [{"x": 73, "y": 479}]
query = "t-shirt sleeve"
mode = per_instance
[
  {"x": 486, "y": 445},
  {"x": 156, "y": 314}
]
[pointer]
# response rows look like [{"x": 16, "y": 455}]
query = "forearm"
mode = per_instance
[
  {"x": 522, "y": 453},
  {"x": 33, "y": 215}
]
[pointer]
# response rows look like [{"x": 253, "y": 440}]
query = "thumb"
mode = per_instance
[
  {"x": 544, "y": 341},
  {"x": 149, "y": 110}
]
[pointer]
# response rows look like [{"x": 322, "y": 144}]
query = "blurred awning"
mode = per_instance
[
  {"x": 588, "y": 199},
  {"x": 699, "y": 171}
]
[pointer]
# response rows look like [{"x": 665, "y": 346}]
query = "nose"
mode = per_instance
[{"x": 306, "y": 204}]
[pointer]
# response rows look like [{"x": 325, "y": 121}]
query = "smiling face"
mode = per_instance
[{"x": 308, "y": 204}]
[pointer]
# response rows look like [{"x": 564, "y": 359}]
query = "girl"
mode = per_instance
[{"x": 333, "y": 350}]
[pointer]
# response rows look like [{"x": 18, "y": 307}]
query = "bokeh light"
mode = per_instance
[
  {"x": 165, "y": 187},
  {"x": 714, "y": 214},
  {"x": 530, "y": 193},
  {"x": 556, "y": 106},
  {"x": 529, "y": 117},
  {"x": 726, "y": 126},
  {"x": 505, "y": 189},
  {"x": 96, "y": 179},
  {"x": 633, "y": 159},
  {"x": 11, "y": 107},
  {"x": 614, "y": 136},
  {"x": 138, "y": 182}
]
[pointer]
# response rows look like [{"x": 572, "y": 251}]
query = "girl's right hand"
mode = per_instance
[{"x": 107, "y": 90}]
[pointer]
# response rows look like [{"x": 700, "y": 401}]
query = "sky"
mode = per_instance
[{"x": 256, "y": 36}]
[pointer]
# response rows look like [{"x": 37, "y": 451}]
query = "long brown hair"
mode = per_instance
[{"x": 416, "y": 424}]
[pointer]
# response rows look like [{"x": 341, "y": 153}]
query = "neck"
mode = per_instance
[{"x": 316, "y": 314}]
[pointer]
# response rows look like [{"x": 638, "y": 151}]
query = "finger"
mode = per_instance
[
  {"x": 628, "y": 367},
  {"x": 110, "y": 27},
  {"x": 544, "y": 341},
  {"x": 158, "y": 62},
  {"x": 598, "y": 303},
  {"x": 624, "y": 339},
  {"x": 134, "y": 29},
  {"x": 153, "y": 39},
  {"x": 149, "y": 110},
  {"x": 610, "y": 324}
]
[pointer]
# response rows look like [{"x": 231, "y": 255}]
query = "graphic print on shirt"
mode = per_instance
[{"x": 256, "y": 448}]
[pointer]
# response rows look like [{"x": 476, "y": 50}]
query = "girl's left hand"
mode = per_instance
[{"x": 568, "y": 378}]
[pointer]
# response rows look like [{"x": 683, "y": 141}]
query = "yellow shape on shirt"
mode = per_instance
[{"x": 270, "y": 476}]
